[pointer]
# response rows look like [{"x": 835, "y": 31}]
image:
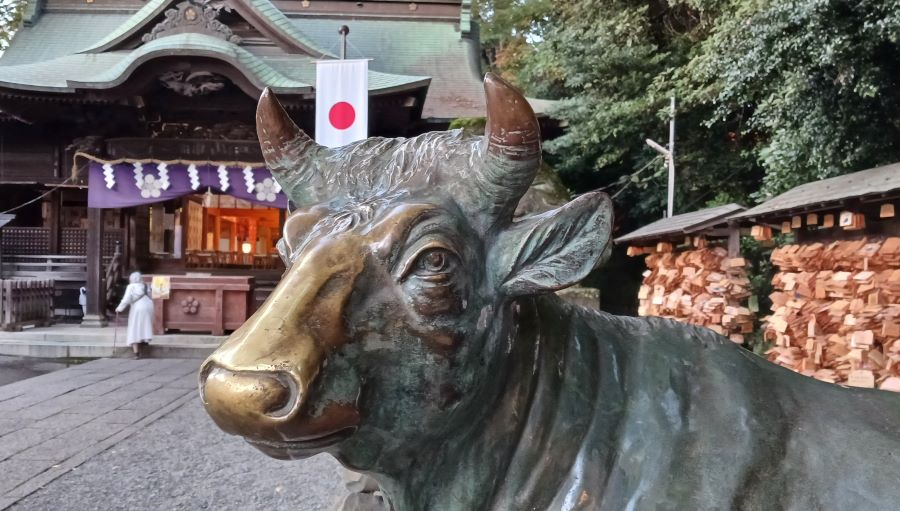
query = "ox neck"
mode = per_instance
[{"x": 518, "y": 455}]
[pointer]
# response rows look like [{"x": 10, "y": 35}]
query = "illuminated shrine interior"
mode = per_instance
[{"x": 219, "y": 231}]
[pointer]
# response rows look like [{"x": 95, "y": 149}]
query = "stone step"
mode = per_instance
[
  {"x": 42, "y": 349},
  {"x": 65, "y": 341},
  {"x": 199, "y": 351}
]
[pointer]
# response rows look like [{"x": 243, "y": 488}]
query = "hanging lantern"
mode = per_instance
[{"x": 208, "y": 198}]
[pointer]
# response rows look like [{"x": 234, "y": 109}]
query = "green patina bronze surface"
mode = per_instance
[{"x": 415, "y": 337}]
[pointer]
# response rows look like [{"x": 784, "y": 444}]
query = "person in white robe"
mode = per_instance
[{"x": 140, "y": 317}]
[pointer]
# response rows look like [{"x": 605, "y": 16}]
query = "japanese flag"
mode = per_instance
[{"x": 342, "y": 101}]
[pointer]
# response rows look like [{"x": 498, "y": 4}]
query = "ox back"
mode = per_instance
[{"x": 645, "y": 413}]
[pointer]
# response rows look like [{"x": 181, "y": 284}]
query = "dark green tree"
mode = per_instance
[
  {"x": 771, "y": 93},
  {"x": 10, "y": 18},
  {"x": 814, "y": 81},
  {"x": 613, "y": 66},
  {"x": 509, "y": 31}
]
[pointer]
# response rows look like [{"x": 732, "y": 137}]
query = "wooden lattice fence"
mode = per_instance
[
  {"x": 25, "y": 240},
  {"x": 25, "y": 302}
]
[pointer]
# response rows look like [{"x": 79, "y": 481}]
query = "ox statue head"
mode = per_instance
[{"x": 393, "y": 325}]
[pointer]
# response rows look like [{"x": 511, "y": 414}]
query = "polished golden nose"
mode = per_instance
[{"x": 247, "y": 403}]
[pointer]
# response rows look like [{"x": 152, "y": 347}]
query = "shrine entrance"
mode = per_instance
[
  {"x": 200, "y": 216},
  {"x": 225, "y": 232}
]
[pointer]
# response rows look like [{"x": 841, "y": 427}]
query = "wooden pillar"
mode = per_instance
[
  {"x": 183, "y": 221},
  {"x": 157, "y": 228},
  {"x": 139, "y": 238},
  {"x": 734, "y": 240},
  {"x": 96, "y": 289},
  {"x": 253, "y": 235},
  {"x": 218, "y": 231},
  {"x": 54, "y": 204}
]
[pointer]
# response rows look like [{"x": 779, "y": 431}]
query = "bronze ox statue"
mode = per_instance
[{"x": 415, "y": 337}]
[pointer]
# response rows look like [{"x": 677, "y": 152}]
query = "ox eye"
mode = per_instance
[
  {"x": 433, "y": 261},
  {"x": 432, "y": 264}
]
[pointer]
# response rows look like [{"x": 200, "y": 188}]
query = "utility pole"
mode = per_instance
[{"x": 669, "y": 154}]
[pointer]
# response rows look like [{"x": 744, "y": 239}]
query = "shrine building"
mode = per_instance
[{"x": 130, "y": 124}]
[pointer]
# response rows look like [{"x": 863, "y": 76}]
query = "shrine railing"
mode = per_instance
[
  {"x": 67, "y": 272},
  {"x": 66, "y": 268},
  {"x": 25, "y": 302}
]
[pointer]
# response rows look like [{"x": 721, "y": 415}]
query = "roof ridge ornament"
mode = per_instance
[{"x": 201, "y": 15}]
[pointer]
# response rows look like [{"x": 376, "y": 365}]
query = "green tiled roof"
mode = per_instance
[
  {"x": 404, "y": 51},
  {"x": 151, "y": 9},
  {"x": 378, "y": 82},
  {"x": 104, "y": 70},
  {"x": 413, "y": 47},
  {"x": 275, "y": 19},
  {"x": 58, "y": 34},
  {"x": 194, "y": 44}
]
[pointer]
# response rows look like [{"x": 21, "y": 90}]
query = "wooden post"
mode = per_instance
[
  {"x": 96, "y": 290},
  {"x": 217, "y": 233},
  {"x": 185, "y": 227},
  {"x": 252, "y": 236},
  {"x": 734, "y": 240},
  {"x": 157, "y": 228},
  {"x": 139, "y": 238},
  {"x": 54, "y": 204}
]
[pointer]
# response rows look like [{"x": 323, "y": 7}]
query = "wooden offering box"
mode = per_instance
[{"x": 203, "y": 304}]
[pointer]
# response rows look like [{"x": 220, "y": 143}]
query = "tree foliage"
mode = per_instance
[
  {"x": 509, "y": 29},
  {"x": 10, "y": 19},
  {"x": 771, "y": 93},
  {"x": 816, "y": 81}
]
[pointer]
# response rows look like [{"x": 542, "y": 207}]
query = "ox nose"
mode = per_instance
[{"x": 246, "y": 403}]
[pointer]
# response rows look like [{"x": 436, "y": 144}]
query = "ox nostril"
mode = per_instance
[
  {"x": 202, "y": 377},
  {"x": 236, "y": 400},
  {"x": 291, "y": 395}
]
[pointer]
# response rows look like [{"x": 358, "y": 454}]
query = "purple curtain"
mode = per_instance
[{"x": 124, "y": 185}]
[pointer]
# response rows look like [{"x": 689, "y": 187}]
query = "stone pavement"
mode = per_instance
[
  {"x": 132, "y": 434},
  {"x": 13, "y": 369}
]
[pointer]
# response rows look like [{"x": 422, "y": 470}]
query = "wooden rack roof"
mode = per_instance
[
  {"x": 679, "y": 225},
  {"x": 865, "y": 185}
]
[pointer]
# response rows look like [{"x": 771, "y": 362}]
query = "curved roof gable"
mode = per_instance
[
  {"x": 289, "y": 74},
  {"x": 261, "y": 14},
  {"x": 254, "y": 68}
]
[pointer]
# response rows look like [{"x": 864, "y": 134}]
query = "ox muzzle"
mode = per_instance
[{"x": 257, "y": 384}]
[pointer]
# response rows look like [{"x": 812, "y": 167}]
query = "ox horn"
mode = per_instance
[
  {"x": 513, "y": 151},
  {"x": 291, "y": 155}
]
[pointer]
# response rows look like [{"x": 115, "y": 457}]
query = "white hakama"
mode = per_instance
[{"x": 140, "y": 316}]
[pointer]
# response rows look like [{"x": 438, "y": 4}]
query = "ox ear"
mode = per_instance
[{"x": 556, "y": 249}]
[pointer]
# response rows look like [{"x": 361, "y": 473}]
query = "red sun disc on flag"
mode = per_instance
[{"x": 342, "y": 115}]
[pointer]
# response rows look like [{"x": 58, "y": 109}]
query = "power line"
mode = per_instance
[
  {"x": 630, "y": 178},
  {"x": 39, "y": 197}
]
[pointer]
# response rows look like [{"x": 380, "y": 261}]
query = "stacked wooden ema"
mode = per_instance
[
  {"x": 836, "y": 311},
  {"x": 702, "y": 286}
]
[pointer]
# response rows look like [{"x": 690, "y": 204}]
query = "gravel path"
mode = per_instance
[{"x": 182, "y": 461}]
